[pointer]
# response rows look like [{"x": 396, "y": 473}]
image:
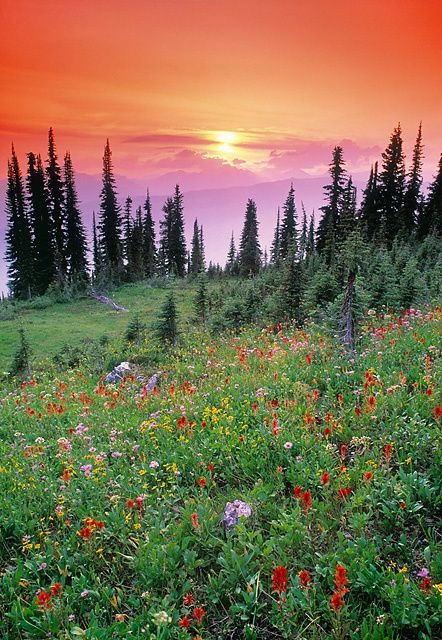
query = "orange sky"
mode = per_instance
[{"x": 163, "y": 76}]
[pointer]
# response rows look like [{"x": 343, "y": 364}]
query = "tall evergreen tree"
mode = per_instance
[
  {"x": 164, "y": 264},
  {"x": 232, "y": 259},
  {"x": 333, "y": 193},
  {"x": 249, "y": 249},
  {"x": 19, "y": 254},
  {"x": 196, "y": 265},
  {"x": 347, "y": 219},
  {"x": 56, "y": 201},
  {"x": 370, "y": 215},
  {"x": 149, "y": 248},
  {"x": 288, "y": 225},
  {"x": 413, "y": 199},
  {"x": 177, "y": 242},
  {"x": 289, "y": 292},
  {"x": 430, "y": 218},
  {"x": 96, "y": 249},
  {"x": 275, "y": 249},
  {"x": 392, "y": 184},
  {"x": 110, "y": 219},
  {"x": 127, "y": 230},
  {"x": 40, "y": 221},
  {"x": 310, "y": 245},
  {"x": 166, "y": 327},
  {"x": 203, "y": 250},
  {"x": 136, "y": 251},
  {"x": 303, "y": 236},
  {"x": 76, "y": 243}
]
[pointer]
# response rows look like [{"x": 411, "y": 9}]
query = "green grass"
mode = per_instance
[{"x": 50, "y": 329}]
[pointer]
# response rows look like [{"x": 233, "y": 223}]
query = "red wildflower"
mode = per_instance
[
  {"x": 297, "y": 491},
  {"x": 343, "y": 450},
  {"x": 327, "y": 431},
  {"x": 425, "y": 585},
  {"x": 343, "y": 492},
  {"x": 275, "y": 403},
  {"x": 202, "y": 482},
  {"x": 85, "y": 533},
  {"x": 341, "y": 580},
  {"x": 402, "y": 505},
  {"x": 429, "y": 392},
  {"x": 195, "y": 521},
  {"x": 371, "y": 402},
  {"x": 211, "y": 467},
  {"x": 279, "y": 579},
  {"x": 306, "y": 501},
  {"x": 44, "y": 600},
  {"x": 325, "y": 478},
  {"x": 198, "y": 614},
  {"x": 368, "y": 475},
  {"x": 66, "y": 477},
  {"x": 437, "y": 413},
  {"x": 357, "y": 412},
  {"x": 388, "y": 449},
  {"x": 188, "y": 600},
  {"x": 336, "y": 601},
  {"x": 56, "y": 588},
  {"x": 304, "y": 578},
  {"x": 184, "y": 622}
]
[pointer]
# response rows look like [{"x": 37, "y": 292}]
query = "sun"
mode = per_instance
[{"x": 226, "y": 141}]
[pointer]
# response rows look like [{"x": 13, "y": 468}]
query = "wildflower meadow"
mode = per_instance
[{"x": 270, "y": 485}]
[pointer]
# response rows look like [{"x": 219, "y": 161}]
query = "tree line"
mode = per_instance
[{"x": 47, "y": 246}]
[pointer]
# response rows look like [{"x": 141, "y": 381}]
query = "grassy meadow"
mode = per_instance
[{"x": 112, "y": 496}]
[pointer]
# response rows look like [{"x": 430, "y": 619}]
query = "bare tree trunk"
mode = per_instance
[{"x": 347, "y": 318}]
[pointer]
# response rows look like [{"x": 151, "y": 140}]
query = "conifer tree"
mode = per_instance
[
  {"x": 303, "y": 236},
  {"x": 232, "y": 259},
  {"x": 288, "y": 233},
  {"x": 96, "y": 249},
  {"x": 136, "y": 248},
  {"x": 392, "y": 184},
  {"x": 21, "y": 362},
  {"x": 201, "y": 300},
  {"x": 202, "y": 250},
  {"x": 347, "y": 219},
  {"x": 56, "y": 201},
  {"x": 40, "y": 222},
  {"x": 196, "y": 258},
  {"x": 430, "y": 218},
  {"x": 249, "y": 249},
  {"x": 127, "y": 235},
  {"x": 19, "y": 254},
  {"x": 326, "y": 233},
  {"x": 166, "y": 328},
  {"x": 149, "y": 248},
  {"x": 370, "y": 215},
  {"x": 310, "y": 245},
  {"x": 413, "y": 199},
  {"x": 110, "y": 220},
  {"x": 177, "y": 242},
  {"x": 76, "y": 243},
  {"x": 289, "y": 292},
  {"x": 275, "y": 249}
]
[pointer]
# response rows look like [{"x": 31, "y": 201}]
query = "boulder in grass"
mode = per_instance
[
  {"x": 118, "y": 373},
  {"x": 233, "y": 511}
]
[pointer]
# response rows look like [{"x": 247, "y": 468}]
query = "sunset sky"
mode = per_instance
[{"x": 224, "y": 86}]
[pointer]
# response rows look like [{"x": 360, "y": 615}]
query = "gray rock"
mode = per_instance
[{"x": 117, "y": 374}]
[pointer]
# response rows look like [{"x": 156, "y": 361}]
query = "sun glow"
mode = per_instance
[{"x": 226, "y": 141}]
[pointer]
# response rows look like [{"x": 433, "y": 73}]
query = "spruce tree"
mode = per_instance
[
  {"x": 166, "y": 329},
  {"x": 275, "y": 249},
  {"x": 21, "y": 362},
  {"x": 149, "y": 248},
  {"x": 249, "y": 249},
  {"x": 39, "y": 216},
  {"x": 289, "y": 292},
  {"x": 303, "y": 235},
  {"x": 196, "y": 254},
  {"x": 56, "y": 201},
  {"x": 201, "y": 300},
  {"x": 127, "y": 238},
  {"x": 288, "y": 234},
  {"x": 310, "y": 245},
  {"x": 136, "y": 248},
  {"x": 347, "y": 219},
  {"x": 76, "y": 243},
  {"x": 96, "y": 249},
  {"x": 19, "y": 254},
  {"x": 203, "y": 251},
  {"x": 370, "y": 215},
  {"x": 177, "y": 242},
  {"x": 164, "y": 256},
  {"x": 333, "y": 193},
  {"x": 392, "y": 184},
  {"x": 110, "y": 220},
  {"x": 430, "y": 218},
  {"x": 232, "y": 259},
  {"x": 413, "y": 199}
]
